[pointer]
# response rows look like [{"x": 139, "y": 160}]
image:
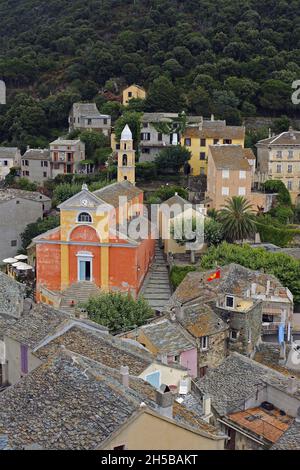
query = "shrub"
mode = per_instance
[{"x": 178, "y": 274}]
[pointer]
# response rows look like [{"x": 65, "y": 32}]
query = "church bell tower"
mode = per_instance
[{"x": 126, "y": 157}]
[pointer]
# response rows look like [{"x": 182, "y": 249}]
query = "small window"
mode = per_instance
[
  {"x": 5, "y": 163},
  {"x": 187, "y": 142},
  {"x": 225, "y": 191},
  {"x": 84, "y": 217},
  {"x": 202, "y": 170},
  {"x": 291, "y": 154},
  {"x": 234, "y": 335},
  {"x": 242, "y": 175},
  {"x": 242, "y": 191},
  {"x": 177, "y": 359},
  {"x": 44, "y": 174},
  {"x": 227, "y": 141},
  {"x": 105, "y": 121},
  {"x": 89, "y": 122},
  {"x": 24, "y": 359},
  {"x": 204, "y": 343},
  {"x": 146, "y": 150},
  {"x": 129, "y": 94},
  {"x": 159, "y": 137},
  {"x": 225, "y": 174},
  {"x": 46, "y": 164},
  {"x": 14, "y": 243},
  {"x": 216, "y": 141},
  {"x": 229, "y": 301},
  {"x": 202, "y": 155},
  {"x": 278, "y": 168},
  {"x": 279, "y": 154},
  {"x": 290, "y": 185},
  {"x": 290, "y": 168},
  {"x": 203, "y": 143}
]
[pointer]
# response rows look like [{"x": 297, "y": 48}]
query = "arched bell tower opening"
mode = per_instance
[{"x": 126, "y": 157}]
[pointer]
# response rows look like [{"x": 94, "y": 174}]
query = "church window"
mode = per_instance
[
  {"x": 125, "y": 160},
  {"x": 84, "y": 217}
]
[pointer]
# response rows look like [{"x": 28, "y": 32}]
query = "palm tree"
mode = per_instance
[{"x": 237, "y": 218}]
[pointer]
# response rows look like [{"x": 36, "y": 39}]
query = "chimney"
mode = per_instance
[
  {"x": 206, "y": 404},
  {"x": 28, "y": 147},
  {"x": 212, "y": 118},
  {"x": 124, "y": 371},
  {"x": 292, "y": 385},
  {"x": 268, "y": 287},
  {"x": 179, "y": 312},
  {"x": 165, "y": 401},
  {"x": 298, "y": 416},
  {"x": 270, "y": 132},
  {"x": 253, "y": 288}
]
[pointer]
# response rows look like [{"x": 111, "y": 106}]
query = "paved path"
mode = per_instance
[{"x": 156, "y": 289}]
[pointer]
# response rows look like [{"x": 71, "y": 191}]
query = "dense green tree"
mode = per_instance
[
  {"x": 38, "y": 227},
  {"x": 172, "y": 159},
  {"x": 118, "y": 312},
  {"x": 133, "y": 119},
  {"x": 163, "y": 96}
]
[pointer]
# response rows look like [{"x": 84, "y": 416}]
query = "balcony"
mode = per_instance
[{"x": 271, "y": 328}]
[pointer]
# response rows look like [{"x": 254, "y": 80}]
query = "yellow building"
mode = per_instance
[
  {"x": 133, "y": 91},
  {"x": 126, "y": 157},
  {"x": 198, "y": 139}
]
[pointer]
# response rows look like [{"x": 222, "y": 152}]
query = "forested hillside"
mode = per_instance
[{"x": 232, "y": 57}]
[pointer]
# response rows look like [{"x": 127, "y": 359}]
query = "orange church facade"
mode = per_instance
[{"x": 91, "y": 245}]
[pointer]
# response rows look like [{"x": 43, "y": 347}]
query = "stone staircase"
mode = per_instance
[
  {"x": 156, "y": 288},
  {"x": 76, "y": 294}
]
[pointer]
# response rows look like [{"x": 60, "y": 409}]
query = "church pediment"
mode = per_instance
[{"x": 83, "y": 200}]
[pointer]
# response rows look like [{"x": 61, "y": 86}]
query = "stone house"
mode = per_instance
[
  {"x": 36, "y": 165},
  {"x": 169, "y": 342},
  {"x": 242, "y": 290},
  {"x": 86, "y": 116},
  {"x": 18, "y": 208},
  {"x": 256, "y": 406},
  {"x": 10, "y": 157}
]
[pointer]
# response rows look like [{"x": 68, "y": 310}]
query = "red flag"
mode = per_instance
[{"x": 216, "y": 275}]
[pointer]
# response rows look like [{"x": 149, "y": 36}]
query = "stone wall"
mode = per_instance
[{"x": 216, "y": 353}]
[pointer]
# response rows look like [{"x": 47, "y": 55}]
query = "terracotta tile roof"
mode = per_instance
[
  {"x": 230, "y": 157},
  {"x": 290, "y": 440},
  {"x": 269, "y": 425}
]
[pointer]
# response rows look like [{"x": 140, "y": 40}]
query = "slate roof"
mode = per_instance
[
  {"x": 37, "y": 154},
  {"x": 63, "y": 405},
  {"x": 69, "y": 142},
  {"x": 269, "y": 355},
  {"x": 235, "y": 279},
  {"x": 176, "y": 199},
  {"x": 159, "y": 117},
  {"x": 110, "y": 351},
  {"x": 237, "y": 379},
  {"x": 290, "y": 440},
  {"x": 216, "y": 130},
  {"x": 11, "y": 295},
  {"x": 72, "y": 402},
  {"x": 288, "y": 138},
  {"x": 33, "y": 327},
  {"x": 89, "y": 110},
  {"x": 231, "y": 157},
  {"x": 8, "y": 152},
  {"x": 111, "y": 193},
  {"x": 167, "y": 337},
  {"x": 200, "y": 320},
  {"x": 11, "y": 193}
]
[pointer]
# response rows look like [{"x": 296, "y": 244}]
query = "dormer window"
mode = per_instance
[
  {"x": 84, "y": 217},
  {"x": 229, "y": 301}
]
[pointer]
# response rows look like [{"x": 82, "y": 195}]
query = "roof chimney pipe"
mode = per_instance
[
  {"x": 165, "y": 401},
  {"x": 124, "y": 371},
  {"x": 293, "y": 385}
]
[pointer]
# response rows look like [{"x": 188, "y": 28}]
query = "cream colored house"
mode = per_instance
[
  {"x": 278, "y": 158},
  {"x": 133, "y": 91},
  {"x": 174, "y": 214},
  {"x": 9, "y": 157},
  {"x": 229, "y": 174}
]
